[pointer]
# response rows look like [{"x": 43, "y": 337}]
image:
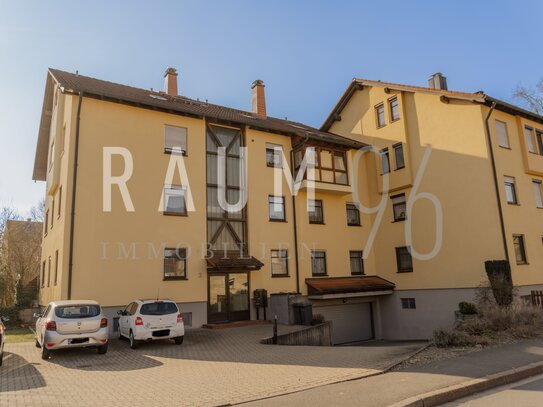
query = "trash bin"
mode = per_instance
[{"x": 303, "y": 313}]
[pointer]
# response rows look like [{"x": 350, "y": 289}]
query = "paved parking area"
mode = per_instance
[{"x": 211, "y": 368}]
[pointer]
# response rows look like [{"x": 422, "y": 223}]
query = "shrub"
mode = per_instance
[
  {"x": 446, "y": 337},
  {"x": 12, "y": 313},
  {"x": 499, "y": 276},
  {"x": 476, "y": 326},
  {"x": 317, "y": 319},
  {"x": 467, "y": 308}
]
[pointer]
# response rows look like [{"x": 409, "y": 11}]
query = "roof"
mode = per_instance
[
  {"x": 340, "y": 285},
  {"x": 72, "y": 302},
  {"x": 476, "y": 97},
  {"x": 221, "y": 263},
  {"x": 156, "y": 100}
]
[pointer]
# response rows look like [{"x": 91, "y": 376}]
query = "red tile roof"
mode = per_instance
[{"x": 340, "y": 285}]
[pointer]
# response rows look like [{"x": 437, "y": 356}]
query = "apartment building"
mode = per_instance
[{"x": 134, "y": 202}]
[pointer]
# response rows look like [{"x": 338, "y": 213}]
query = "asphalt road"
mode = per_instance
[{"x": 527, "y": 393}]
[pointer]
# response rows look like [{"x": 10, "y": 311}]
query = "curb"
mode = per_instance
[{"x": 470, "y": 387}]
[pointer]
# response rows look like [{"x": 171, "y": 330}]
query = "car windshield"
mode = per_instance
[
  {"x": 158, "y": 308},
  {"x": 77, "y": 311}
]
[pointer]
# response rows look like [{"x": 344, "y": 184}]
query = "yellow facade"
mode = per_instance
[{"x": 117, "y": 255}]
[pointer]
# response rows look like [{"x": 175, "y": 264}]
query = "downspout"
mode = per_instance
[
  {"x": 74, "y": 187},
  {"x": 296, "y": 261},
  {"x": 496, "y": 182}
]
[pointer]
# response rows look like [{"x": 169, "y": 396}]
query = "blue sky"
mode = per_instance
[{"x": 305, "y": 51}]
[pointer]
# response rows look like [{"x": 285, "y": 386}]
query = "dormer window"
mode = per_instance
[{"x": 175, "y": 139}]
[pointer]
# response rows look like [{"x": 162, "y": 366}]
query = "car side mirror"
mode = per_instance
[{"x": 36, "y": 315}]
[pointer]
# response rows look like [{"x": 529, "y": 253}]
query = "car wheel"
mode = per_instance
[
  {"x": 133, "y": 341},
  {"x": 102, "y": 350},
  {"x": 178, "y": 340},
  {"x": 37, "y": 343},
  {"x": 45, "y": 353}
]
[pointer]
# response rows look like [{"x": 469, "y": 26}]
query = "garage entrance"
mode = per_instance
[{"x": 350, "y": 322}]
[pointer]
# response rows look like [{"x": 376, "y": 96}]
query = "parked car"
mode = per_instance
[
  {"x": 2, "y": 337},
  {"x": 71, "y": 324},
  {"x": 147, "y": 320}
]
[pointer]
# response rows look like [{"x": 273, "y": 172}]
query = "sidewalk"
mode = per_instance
[{"x": 393, "y": 387}]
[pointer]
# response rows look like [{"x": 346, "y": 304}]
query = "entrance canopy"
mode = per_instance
[
  {"x": 230, "y": 263},
  {"x": 340, "y": 287}
]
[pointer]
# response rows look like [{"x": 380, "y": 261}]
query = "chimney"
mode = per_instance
[
  {"x": 259, "y": 100},
  {"x": 170, "y": 81},
  {"x": 437, "y": 81}
]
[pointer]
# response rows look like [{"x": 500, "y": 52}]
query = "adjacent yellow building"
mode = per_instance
[{"x": 134, "y": 203}]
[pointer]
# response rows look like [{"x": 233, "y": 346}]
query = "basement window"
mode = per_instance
[
  {"x": 408, "y": 303},
  {"x": 175, "y": 140}
]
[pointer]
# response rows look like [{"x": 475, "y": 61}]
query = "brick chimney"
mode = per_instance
[
  {"x": 259, "y": 99},
  {"x": 437, "y": 81},
  {"x": 170, "y": 81}
]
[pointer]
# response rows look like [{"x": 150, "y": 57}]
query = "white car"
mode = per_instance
[
  {"x": 71, "y": 324},
  {"x": 147, "y": 320}
]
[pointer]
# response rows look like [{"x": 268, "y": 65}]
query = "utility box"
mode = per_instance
[
  {"x": 303, "y": 313},
  {"x": 260, "y": 298},
  {"x": 281, "y": 305}
]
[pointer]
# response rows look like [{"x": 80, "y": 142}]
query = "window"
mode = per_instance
[
  {"x": 274, "y": 156},
  {"x": 404, "y": 260},
  {"x": 330, "y": 165},
  {"x": 353, "y": 215},
  {"x": 175, "y": 139},
  {"x": 46, "y": 222},
  {"x": 539, "y": 137},
  {"x": 530, "y": 140},
  {"x": 520, "y": 249},
  {"x": 501, "y": 130},
  {"x": 49, "y": 272},
  {"x": 408, "y": 303},
  {"x": 43, "y": 275},
  {"x": 56, "y": 267},
  {"x": 510, "y": 190},
  {"x": 536, "y": 183},
  {"x": 276, "y": 208},
  {"x": 318, "y": 262},
  {"x": 394, "y": 109},
  {"x": 59, "y": 201},
  {"x": 315, "y": 210},
  {"x": 399, "y": 208},
  {"x": 357, "y": 262},
  {"x": 175, "y": 264},
  {"x": 398, "y": 156},
  {"x": 279, "y": 263},
  {"x": 385, "y": 161},
  {"x": 380, "y": 115},
  {"x": 63, "y": 139},
  {"x": 52, "y": 155},
  {"x": 174, "y": 200},
  {"x": 52, "y": 212}
]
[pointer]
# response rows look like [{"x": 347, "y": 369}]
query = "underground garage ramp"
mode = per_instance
[{"x": 350, "y": 322}]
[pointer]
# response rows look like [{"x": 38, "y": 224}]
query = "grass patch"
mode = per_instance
[{"x": 17, "y": 335}]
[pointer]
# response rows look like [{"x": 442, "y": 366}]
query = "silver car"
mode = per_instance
[{"x": 71, "y": 324}]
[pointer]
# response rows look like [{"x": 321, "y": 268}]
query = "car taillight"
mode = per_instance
[
  {"x": 103, "y": 323},
  {"x": 179, "y": 318},
  {"x": 51, "y": 325},
  {"x": 139, "y": 321}
]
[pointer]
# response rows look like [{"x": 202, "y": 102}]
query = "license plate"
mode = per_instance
[{"x": 78, "y": 340}]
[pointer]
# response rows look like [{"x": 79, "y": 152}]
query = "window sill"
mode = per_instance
[
  {"x": 380, "y": 127},
  {"x": 280, "y": 276},
  {"x": 274, "y": 166},
  {"x": 358, "y": 274},
  {"x": 513, "y": 203},
  {"x": 399, "y": 220},
  {"x": 174, "y": 214},
  {"x": 523, "y": 263},
  {"x": 404, "y": 271},
  {"x": 316, "y": 223},
  {"x": 505, "y": 148},
  {"x": 278, "y": 220},
  {"x": 399, "y": 168},
  {"x": 174, "y": 279},
  {"x": 395, "y": 120},
  {"x": 354, "y": 224},
  {"x": 183, "y": 152},
  {"x": 319, "y": 275}
]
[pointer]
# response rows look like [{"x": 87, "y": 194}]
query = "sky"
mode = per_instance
[{"x": 305, "y": 51}]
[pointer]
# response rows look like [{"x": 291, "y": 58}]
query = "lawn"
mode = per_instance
[{"x": 18, "y": 334}]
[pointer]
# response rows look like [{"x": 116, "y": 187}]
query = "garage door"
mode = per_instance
[{"x": 350, "y": 322}]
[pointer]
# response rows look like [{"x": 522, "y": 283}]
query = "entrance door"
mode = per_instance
[{"x": 228, "y": 297}]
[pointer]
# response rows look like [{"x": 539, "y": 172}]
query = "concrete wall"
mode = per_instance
[{"x": 318, "y": 335}]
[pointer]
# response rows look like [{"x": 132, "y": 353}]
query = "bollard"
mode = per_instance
[{"x": 274, "y": 341}]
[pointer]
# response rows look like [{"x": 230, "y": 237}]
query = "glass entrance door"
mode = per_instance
[{"x": 228, "y": 297}]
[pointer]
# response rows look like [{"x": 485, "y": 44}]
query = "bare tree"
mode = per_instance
[
  {"x": 532, "y": 97},
  {"x": 37, "y": 212}
]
